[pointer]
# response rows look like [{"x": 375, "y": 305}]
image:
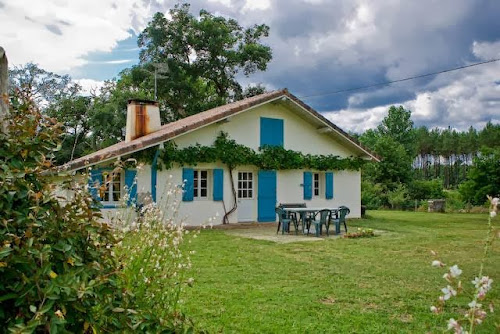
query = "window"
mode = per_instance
[
  {"x": 245, "y": 185},
  {"x": 111, "y": 190},
  {"x": 316, "y": 184},
  {"x": 200, "y": 184}
]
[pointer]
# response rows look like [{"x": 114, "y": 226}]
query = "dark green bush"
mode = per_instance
[
  {"x": 372, "y": 195},
  {"x": 426, "y": 189},
  {"x": 58, "y": 272}
]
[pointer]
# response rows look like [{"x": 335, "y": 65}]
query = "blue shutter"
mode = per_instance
[
  {"x": 271, "y": 131},
  {"x": 329, "y": 185},
  {"x": 187, "y": 178},
  {"x": 307, "y": 185},
  {"x": 95, "y": 182},
  {"x": 218, "y": 184},
  {"x": 154, "y": 175},
  {"x": 131, "y": 185}
]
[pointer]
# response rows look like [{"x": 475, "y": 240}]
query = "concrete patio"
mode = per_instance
[{"x": 267, "y": 231}]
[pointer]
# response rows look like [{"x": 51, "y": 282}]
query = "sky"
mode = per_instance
[{"x": 319, "y": 46}]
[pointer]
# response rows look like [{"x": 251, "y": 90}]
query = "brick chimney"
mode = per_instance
[{"x": 143, "y": 117}]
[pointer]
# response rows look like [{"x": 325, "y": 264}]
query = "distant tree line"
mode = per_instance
[
  {"x": 448, "y": 154},
  {"x": 419, "y": 164}
]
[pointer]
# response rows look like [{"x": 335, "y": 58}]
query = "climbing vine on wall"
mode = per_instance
[{"x": 232, "y": 154}]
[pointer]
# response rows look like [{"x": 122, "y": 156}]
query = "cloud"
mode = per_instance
[
  {"x": 486, "y": 50},
  {"x": 117, "y": 61},
  {"x": 59, "y": 35},
  {"x": 255, "y": 5},
  {"x": 318, "y": 46},
  {"x": 89, "y": 86},
  {"x": 460, "y": 99}
]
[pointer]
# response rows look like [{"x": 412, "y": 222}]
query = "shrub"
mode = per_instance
[
  {"x": 423, "y": 189},
  {"x": 360, "y": 233},
  {"x": 371, "y": 195},
  {"x": 58, "y": 270},
  {"x": 454, "y": 201},
  {"x": 154, "y": 261},
  {"x": 483, "y": 177},
  {"x": 398, "y": 196}
]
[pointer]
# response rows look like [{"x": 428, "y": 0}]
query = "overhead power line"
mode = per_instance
[{"x": 399, "y": 80}]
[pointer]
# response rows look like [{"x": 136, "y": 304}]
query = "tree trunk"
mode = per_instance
[{"x": 4, "y": 89}]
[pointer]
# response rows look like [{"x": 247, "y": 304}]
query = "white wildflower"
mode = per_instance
[
  {"x": 452, "y": 323},
  {"x": 437, "y": 263},
  {"x": 455, "y": 271},
  {"x": 448, "y": 292},
  {"x": 473, "y": 305}
]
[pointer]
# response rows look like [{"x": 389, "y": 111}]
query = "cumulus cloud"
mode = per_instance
[
  {"x": 318, "y": 46},
  {"x": 459, "y": 100},
  {"x": 89, "y": 86},
  {"x": 59, "y": 34}
]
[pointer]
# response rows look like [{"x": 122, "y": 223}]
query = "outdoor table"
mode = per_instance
[{"x": 303, "y": 212}]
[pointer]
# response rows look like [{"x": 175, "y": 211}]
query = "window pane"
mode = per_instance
[
  {"x": 203, "y": 174},
  {"x": 250, "y": 194},
  {"x": 116, "y": 196},
  {"x": 245, "y": 194},
  {"x": 203, "y": 192},
  {"x": 239, "y": 193},
  {"x": 250, "y": 175},
  {"x": 203, "y": 183},
  {"x": 249, "y": 184}
]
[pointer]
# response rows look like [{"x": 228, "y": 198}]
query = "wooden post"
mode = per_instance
[{"x": 4, "y": 89}]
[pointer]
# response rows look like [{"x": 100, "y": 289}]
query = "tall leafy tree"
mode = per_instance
[
  {"x": 399, "y": 126},
  {"x": 32, "y": 83},
  {"x": 201, "y": 56}
]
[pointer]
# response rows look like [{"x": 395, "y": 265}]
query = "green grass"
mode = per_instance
[{"x": 370, "y": 285}]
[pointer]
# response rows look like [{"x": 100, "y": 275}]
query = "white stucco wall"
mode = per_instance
[
  {"x": 346, "y": 190},
  {"x": 299, "y": 135}
]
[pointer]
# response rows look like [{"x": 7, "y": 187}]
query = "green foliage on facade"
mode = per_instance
[{"x": 232, "y": 154}]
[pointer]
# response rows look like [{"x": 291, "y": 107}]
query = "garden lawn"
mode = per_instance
[{"x": 383, "y": 284}]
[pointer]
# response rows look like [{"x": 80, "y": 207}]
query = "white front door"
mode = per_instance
[{"x": 245, "y": 194}]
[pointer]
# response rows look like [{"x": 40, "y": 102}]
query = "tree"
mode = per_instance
[
  {"x": 388, "y": 141},
  {"x": 203, "y": 54},
  {"x": 395, "y": 166},
  {"x": 32, "y": 83},
  {"x": 399, "y": 126},
  {"x": 483, "y": 177}
]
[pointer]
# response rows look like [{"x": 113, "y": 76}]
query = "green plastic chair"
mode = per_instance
[
  {"x": 321, "y": 218},
  {"x": 342, "y": 212},
  {"x": 284, "y": 221}
]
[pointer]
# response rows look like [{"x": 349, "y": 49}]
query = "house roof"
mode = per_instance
[{"x": 190, "y": 123}]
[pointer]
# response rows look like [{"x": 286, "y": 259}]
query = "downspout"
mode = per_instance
[{"x": 225, "y": 219}]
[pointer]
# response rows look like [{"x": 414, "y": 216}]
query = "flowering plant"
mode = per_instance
[
  {"x": 360, "y": 233},
  {"x": 475, "y": 313},
  {"x": 154, "y": 257}
]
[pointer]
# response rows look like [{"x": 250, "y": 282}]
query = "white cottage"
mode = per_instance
[{"x": 272, "y": 119}]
